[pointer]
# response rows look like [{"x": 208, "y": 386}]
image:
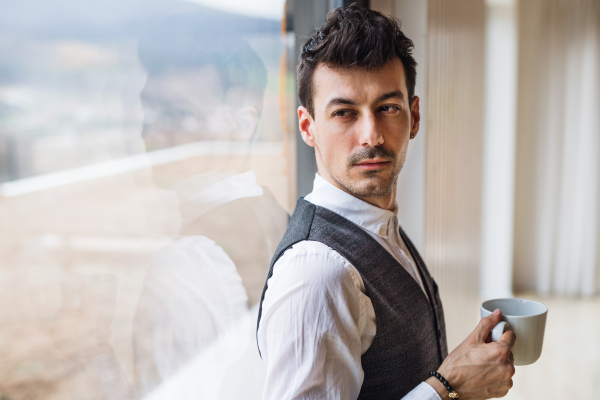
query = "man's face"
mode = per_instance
[
  {"x": 187, "y": 106},
  {"x": 361, "y": 126},
  {"x": 184, "y": 106}
]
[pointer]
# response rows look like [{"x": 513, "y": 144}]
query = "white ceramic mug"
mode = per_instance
[{"x": 527, "y": 319}]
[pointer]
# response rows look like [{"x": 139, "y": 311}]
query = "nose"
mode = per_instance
[
  {"x": 370, "y": 132},
  {"x": 156, "y": 138}
]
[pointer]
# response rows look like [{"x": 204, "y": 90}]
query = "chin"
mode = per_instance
[
  {"x": 161, "y": 180},
  {"x": 374, "y": 191},
  {"x": 369, "y": 186}
]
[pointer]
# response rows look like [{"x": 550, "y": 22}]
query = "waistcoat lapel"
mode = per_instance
[{"x": 432, "y": 292}]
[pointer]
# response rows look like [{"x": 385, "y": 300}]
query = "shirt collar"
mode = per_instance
[
  {"x": 203, "y": 192},
  {"x": 369, "y": 217}
]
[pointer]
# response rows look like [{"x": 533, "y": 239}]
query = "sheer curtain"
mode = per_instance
[{"x": 557, "y": 224}]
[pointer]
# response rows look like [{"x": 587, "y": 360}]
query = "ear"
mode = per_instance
[
  {"x": 415, "y": 116},
  {"x": 246, "y": 119},
  {"x": 306, "y": 125}
]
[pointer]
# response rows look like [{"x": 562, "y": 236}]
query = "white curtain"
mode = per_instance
[{"x": 557, "y": 216}]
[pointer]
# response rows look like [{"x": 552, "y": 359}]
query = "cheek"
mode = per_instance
[
  {"x": 221, "y": 121},
  {"x": 335, "y": 147}
]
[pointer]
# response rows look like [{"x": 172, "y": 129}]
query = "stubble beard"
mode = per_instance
[{"x": 370, "y": 183}]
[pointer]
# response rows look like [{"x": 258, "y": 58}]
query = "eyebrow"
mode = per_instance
[
  {"x": 340, "y": 100},
  {"x": 390, "y": 95},
  {"x": 153, "y": 101}
]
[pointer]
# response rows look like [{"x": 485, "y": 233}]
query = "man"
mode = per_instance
[
  {"x": 204, "y": 84},
  {"x": 349, "y": 309}
]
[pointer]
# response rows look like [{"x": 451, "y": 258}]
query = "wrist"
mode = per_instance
[{"x": 438, "y": 387}]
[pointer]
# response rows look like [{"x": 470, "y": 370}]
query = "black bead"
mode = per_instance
[
  {"x": 449, "y": 388},
  {"x": 445, "y": 383},
  {"x": 437, "y": 375}
]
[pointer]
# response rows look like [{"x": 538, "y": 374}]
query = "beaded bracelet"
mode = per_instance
[{"x": 451, "y": 393}]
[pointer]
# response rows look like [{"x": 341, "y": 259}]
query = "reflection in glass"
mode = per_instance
[
  {"x": 142, "y": 173},
  {"x": 204, "y": 84}
]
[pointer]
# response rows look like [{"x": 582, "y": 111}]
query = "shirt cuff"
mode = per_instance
[{"x": 423, "y": 392}]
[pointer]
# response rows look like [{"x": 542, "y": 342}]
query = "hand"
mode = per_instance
[{"x": 478, "y": 368}]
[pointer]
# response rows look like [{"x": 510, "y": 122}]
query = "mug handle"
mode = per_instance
[{"x": 499, "y": 329}]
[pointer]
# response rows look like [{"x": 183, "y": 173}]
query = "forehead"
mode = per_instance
[
  {"x": 198, "y": 84},
  {"x": 358, "y": 84}
]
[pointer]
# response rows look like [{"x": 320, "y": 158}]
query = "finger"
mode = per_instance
[
  {"x": 509, "y": 338},
  {"x": 511, "y": 358},
  {"x": 486, "y": 325},
  {"x": 488, "y": 339}
]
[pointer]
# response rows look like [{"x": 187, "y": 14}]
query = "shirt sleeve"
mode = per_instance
[
  {"x": 309, "y": 334},
  {"x": 423, "y": 392}
]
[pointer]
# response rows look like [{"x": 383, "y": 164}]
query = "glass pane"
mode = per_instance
[{"x": 144, "y": 186}]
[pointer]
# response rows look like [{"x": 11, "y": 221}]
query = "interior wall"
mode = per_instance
[
  {"x": 499, "y": 149},
  {"x": 524, "y": 277},
  {"x": 453, "y": 149},
  {"x": 557, "y": 215}
]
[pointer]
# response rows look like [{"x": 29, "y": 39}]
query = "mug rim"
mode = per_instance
[{"x": 516, "y": 298}]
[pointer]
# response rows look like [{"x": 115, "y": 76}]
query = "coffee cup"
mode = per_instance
[{"x": 527, "y": 319}]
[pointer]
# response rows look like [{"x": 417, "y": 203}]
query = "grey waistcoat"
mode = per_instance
[{"x": 410, "y": 339}]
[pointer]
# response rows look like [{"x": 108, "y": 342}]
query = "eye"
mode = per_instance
[
  {"x": 389, "y": 109},
  {"x": 343, "y": 113},
  {"x": 178, "y": 113}
]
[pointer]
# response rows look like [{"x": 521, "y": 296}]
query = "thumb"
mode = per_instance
[{"x": 486, "y": 325}]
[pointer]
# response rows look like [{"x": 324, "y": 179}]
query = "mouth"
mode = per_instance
[{"x": 372, "y": 164}]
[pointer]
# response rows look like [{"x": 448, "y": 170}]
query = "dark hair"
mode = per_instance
[
  {"x": 354, "y": 37},
  {"x": 190, "y": 41}
]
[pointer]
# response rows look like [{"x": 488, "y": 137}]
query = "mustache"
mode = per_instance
[{"x": 371, "y": 152}]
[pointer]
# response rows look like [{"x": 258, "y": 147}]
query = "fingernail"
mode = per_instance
[{"x": 496, "y": 312}]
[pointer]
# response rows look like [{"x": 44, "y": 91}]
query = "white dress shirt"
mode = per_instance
[
  {"x": 317, "y": 320},
  {"x": 193, "y": 296},
  {"x": 203, "y": 192}
]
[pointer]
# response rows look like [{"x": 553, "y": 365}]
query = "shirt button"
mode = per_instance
[{"x": 382, "y": 231}]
